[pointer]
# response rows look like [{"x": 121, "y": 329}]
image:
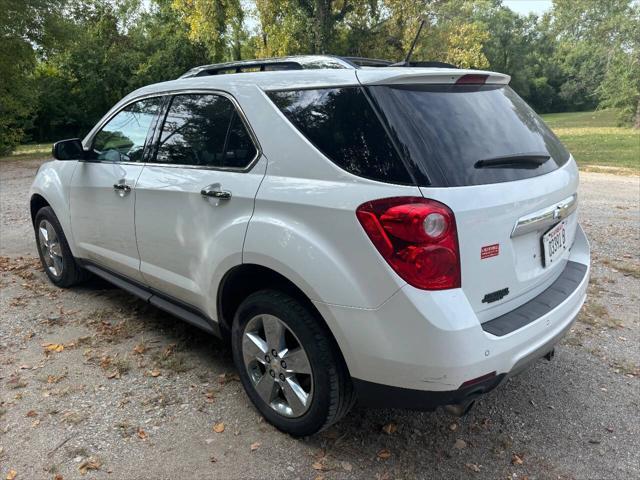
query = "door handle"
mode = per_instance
[
  {"x": 210, "y": 192},
  {"x": 122, "y": 186}
]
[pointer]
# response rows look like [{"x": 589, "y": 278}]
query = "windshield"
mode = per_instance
[{"x": 453, "y": 134}]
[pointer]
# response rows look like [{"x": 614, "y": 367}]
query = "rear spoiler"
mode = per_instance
[{"x": 406, "y": 76}]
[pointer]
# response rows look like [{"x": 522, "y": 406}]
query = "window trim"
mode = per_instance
[{"x": 159, "y": 120}]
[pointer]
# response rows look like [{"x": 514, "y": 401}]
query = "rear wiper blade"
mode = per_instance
[{"x": 513, "y": 161}]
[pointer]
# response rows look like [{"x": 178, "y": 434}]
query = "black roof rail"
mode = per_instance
[
  {"x": 270, "y": 64},
  {"x": 429, "y": 64},
  {"x": 302, "y": 62},
  {"x": 367, "y": 62}
]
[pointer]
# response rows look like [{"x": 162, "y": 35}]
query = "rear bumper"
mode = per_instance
[
  {"x": 376, "y": 395},
  {"x": 416, "y": 350}
]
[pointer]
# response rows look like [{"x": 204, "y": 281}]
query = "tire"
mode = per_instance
[
  {"x": 57, "y": 261},
  {"x": 331, "y": 391}
]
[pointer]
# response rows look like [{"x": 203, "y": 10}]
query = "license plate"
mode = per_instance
[{"x": 554, "y": 243}]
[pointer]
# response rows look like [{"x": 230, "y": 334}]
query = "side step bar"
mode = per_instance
[{"x": 184, "y": 312}]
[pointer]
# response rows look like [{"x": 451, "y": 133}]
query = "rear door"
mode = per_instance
[
  {"x": 196, "y": 196},
  {"x": 483, "y": 152},
  {"x": 102, "y": 190}
]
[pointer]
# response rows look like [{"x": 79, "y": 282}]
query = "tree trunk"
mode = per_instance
[
  {"x": 637, "y": 122},
  {"x": 322, "y": 25}
]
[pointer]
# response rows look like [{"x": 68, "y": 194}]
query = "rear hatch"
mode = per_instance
[{"x": 482, "y": 151}]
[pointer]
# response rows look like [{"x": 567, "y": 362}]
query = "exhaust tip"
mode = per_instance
[{"x": 460, "y": 409}]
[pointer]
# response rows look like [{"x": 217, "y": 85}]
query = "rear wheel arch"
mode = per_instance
[{"x": 243, "y": 280}]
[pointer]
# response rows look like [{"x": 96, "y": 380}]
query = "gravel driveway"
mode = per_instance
[{"x": 96, "y": 384}]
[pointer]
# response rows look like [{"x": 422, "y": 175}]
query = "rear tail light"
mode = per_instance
[{"x": 417, "y": 237}]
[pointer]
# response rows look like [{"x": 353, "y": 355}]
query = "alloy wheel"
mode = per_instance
[
  {"x": 50, "y": 248},
  {"x": 277, "y": 365}
]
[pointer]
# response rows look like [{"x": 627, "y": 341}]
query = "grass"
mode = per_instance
[
  {"x": 595, "y": 139},
  {"x": 31, "y": 151}
]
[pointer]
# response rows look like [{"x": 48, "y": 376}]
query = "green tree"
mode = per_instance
[
  {"x": 215, "y": 23},
  {"x": 24, "y": 25}
]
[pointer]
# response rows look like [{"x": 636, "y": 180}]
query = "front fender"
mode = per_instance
[{"x": 52, "y": 183}]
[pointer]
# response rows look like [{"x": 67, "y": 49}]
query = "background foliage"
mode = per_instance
[{"x": 63, "y": 63}]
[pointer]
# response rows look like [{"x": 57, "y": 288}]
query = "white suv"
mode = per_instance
[{"x": 403, "y": 235}]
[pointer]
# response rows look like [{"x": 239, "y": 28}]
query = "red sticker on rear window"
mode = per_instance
[{"x": 490, "y": 251}]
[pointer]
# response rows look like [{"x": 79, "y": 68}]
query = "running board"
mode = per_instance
[{"x": 184, "y": 312}]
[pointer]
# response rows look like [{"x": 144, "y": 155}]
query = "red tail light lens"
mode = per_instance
[
  {"x": 417, "y": 237},
  {"x": 472, "y": 79}
]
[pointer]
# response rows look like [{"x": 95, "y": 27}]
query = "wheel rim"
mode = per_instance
[
  {"x": 50, "y": 248},
  {"x": 278, "y": 365}
]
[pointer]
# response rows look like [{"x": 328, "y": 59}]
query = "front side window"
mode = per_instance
[
  {"x": 123, "y": 138},
  {"x": 341, "y": 123},
  {"x": 204, "y": 130}
]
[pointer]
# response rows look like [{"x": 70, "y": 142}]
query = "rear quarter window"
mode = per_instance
[{"x": 341, "y": 123}]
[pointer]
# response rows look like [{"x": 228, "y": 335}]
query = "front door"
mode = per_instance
[
  {"x": 194, "y": 200},
  {"x": 103, "y": 190}
]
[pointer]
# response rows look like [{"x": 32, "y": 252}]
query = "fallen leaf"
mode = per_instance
[
  {"x": 142, "y": 434},
  {"x": 91, "y": 463},
  {"x": 460, "y": 444},
  {"x": 155, "y": 373},
  {"x": 516, "y": 459},
  {"x": 390, "y": 428},
  {"x": 225, "y": 378},
  {"x": 139, "y": 349},
  {"x": 55, "y": 378},
  {"x": 58, "y": 477},
  {"x": 53, "y": 347},
  {"x": 32, "y": 413},
  {"x": 319, "y": 466},
  {"x": 383, "y": 454},
  {"x": 115, "y": 374},
  {"x": 218, "y": 427},
  {"x": 11, "y": 474},
  {"x": 473, "y": 467},
  {"x": 255, "y": 446},
  {"x": 346, "y": 466}
]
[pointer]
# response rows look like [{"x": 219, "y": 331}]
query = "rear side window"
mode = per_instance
[
  {"x": 459, "y": 135},
  {"x": 204, "y": 130},
  {"x": 341, "y": 123}
]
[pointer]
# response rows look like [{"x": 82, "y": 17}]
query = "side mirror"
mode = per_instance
[{"x": 68, "y": 150}]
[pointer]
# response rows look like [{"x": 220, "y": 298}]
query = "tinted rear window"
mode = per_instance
[
  {"x": 444, "y": 130},
  {"x": 342, "y": 124}
]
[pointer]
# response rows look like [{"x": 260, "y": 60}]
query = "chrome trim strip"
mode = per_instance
[
  {"x": 187, "y": 91},
  {"x": 546, "y": 217}
]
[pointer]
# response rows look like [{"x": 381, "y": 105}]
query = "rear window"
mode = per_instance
[
  {"x": 450, "y": 134},
  {"x": 342, "y": 124}
]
